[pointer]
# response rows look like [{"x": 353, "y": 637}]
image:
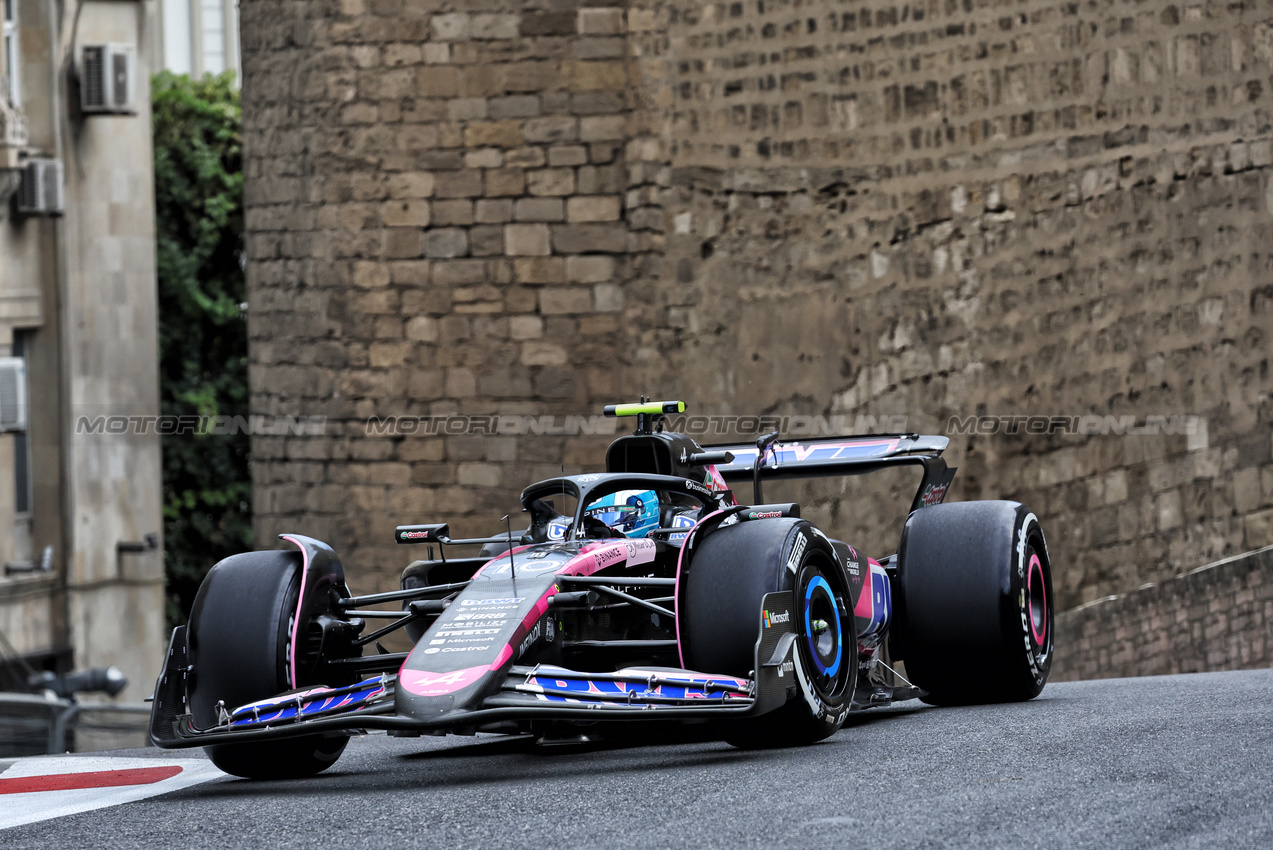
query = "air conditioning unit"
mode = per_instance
[
  {"x": 41, "y": 192},
  {"x": 106, "y": 79},
  {"x": 13, "y": 394}
]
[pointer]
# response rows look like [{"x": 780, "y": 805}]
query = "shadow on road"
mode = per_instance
[
  {"x": 513, "y": 760},
  {"x": 481, "y": 772}
]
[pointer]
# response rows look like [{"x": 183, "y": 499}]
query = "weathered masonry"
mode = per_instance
[
  {"x": 924, "y": 210},
  {"x": 1215, "y": 617}
]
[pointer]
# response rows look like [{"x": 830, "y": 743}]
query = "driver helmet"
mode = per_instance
[{"x": 632, "y": 513}]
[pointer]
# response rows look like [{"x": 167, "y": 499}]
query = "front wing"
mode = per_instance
[{"x": 539, "y": 692}]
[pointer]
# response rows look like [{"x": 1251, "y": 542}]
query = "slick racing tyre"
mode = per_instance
[
  {"x": 730, "y": 574},
  {"x": 239, "y": 644},
  {"x": 975, "y": 609}
]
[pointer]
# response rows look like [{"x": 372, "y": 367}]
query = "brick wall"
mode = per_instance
[
  {"x": 925, "y": 209},
  {"x": 1217, "y": 617},
  {"x": 946, "y": 209},
  {"x": 437, "y": 227}
]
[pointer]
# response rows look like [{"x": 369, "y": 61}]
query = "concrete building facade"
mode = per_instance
[
  {"x": 80, "y": 499},
  {"x": 934, "y": 210}
]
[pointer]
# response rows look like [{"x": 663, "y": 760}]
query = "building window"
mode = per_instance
[
  {"x": 177, "y": 34},
  {"x": 11, "y": 49},
  {"x": 212, "y": 26},
  {"x": 199, "y": 36}
]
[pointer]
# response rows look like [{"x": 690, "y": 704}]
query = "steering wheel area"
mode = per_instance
[
  {"x": 542, "y": 515},
  {"x": 595, "y": 529}
]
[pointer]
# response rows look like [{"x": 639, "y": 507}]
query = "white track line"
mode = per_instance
[{"x": 23, "y": 808}]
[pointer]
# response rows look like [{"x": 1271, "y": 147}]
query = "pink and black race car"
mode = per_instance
[{"x": 644, "y": 593}]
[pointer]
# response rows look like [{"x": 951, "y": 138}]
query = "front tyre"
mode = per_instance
[
  {"x": 239, "y": 644},
  {"x": 975, "y": 604},
  {"x": 290, "y": 758},
  {"x": 732, "y": 571}
]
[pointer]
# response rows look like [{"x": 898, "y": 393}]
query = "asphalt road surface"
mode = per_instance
[{"x": 1163, "y": 762}]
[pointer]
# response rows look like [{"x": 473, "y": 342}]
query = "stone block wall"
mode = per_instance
[
  {"x": 444, "y": 220},
  {"x": 1217, "y": 617},
  {"x": 927, "y": 209},
  {"x": 942, "y": 209}
]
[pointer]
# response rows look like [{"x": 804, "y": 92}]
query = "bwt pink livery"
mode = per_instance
[{"x": 647, "y": 592}]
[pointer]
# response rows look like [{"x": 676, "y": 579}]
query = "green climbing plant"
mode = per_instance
[{"x": 202, "y": 325}]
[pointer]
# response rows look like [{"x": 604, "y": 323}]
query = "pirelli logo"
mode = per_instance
[{"x": 797, "y": 549}]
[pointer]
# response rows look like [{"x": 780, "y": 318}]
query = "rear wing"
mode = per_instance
[{"x": 771, "y": 458}]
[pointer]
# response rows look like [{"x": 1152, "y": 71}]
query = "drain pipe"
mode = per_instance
[{"x": 61, "y": 132}]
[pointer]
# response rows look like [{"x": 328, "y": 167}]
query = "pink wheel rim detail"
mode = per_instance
[
  {"x": 300, "y": 599},
  {"x": 1036, "y": 567}
]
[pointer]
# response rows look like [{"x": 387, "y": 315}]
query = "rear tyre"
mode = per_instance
[
  {"x": 975, "y": 608},
  {"x": 240, "y": 642},
  {"x": 721, "y": 599}
]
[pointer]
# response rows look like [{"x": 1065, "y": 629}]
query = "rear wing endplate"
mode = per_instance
[{"x": 833, "y": 457}]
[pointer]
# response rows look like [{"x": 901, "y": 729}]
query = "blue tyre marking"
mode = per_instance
[{"x": 819, "y": 581}]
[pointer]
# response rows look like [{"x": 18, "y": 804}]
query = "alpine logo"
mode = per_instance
[
  {"x": 773, "y": 618},
  {"x": 427, "y": 683}
]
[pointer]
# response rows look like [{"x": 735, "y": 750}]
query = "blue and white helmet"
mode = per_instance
[{"x": 632, "y": 513}]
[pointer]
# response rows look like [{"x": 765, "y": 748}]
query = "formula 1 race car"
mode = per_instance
[{"x": 644, "y": 593}]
